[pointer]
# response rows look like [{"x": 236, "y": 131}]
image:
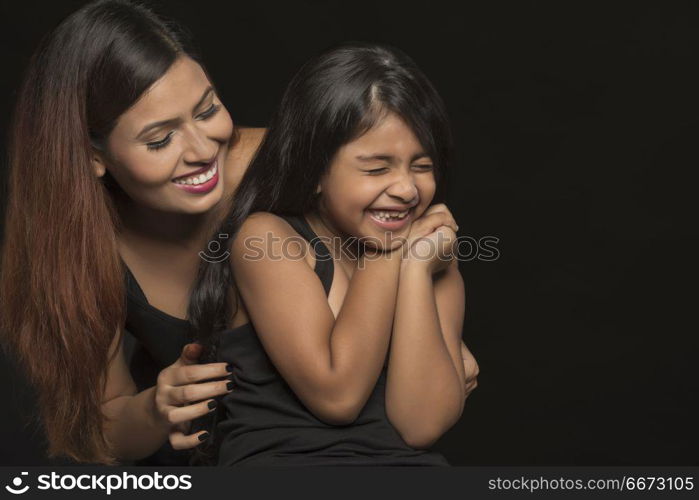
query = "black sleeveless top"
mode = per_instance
[
  {"x": 266, "y": 424},
  {"x": 159, "y": 339}
]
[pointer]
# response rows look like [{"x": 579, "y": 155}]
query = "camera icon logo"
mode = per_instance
[{"x": 16, "y": 488}]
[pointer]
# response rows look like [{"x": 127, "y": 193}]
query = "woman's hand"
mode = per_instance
[
  {"x": 181, "y": 395},
  {"x": 431, "y": 239},
  {"x": 471, "y": 370}
]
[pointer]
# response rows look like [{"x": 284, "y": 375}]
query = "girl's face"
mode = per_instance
[
  {"x": 167, "y": 151},
  {"x": 378, "y": 184}
]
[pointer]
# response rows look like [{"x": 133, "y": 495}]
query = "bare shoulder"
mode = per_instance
[
  {"x": 263, "y": 231},
  {"x": 259, "y": 223},
  {"x": 245, "y": 145},
  {"x": 240, "y": 154},
  {"x": 252, "y": 136}
]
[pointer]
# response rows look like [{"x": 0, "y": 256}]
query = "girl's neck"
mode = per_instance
[{"x": 342, "y": 246}]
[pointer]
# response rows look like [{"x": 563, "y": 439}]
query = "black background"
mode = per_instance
[{"x": 576, "y": 129}]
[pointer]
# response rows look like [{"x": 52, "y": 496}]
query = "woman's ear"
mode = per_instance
[{"x": 318, "y": 189}]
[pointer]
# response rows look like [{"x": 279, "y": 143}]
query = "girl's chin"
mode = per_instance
[
  {"x": 382, "y": 242},
  {"x": 382, "y": 248}
]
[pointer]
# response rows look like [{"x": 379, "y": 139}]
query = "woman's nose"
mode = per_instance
[{"x": 200, "y": 148}]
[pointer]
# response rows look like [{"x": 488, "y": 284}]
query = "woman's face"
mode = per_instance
[
  {"x": 167, "y": 151},
  {"x": 378, "y": 183}
]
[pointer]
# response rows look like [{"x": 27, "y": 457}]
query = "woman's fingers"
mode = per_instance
[
  {"x": 470, "y": 386},
  {"x": 182, "y": 383},
  {"x": 183, "y": 427},
  {"x": 465, "y": 353},
  {"x": 190, "y": 374},
  {"x": 188, "y": 357},
  {"x": 182, "y": 441},
  {"x": 471, "y": 370},
  {"x": 190, "y": 353},
  {"x": 196, "y": 392},
  {"x": 185, "y": 414}
]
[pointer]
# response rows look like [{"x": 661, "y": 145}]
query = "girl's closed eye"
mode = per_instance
[
  {"x": 377, "y": 171},
  {"x": 424, "y": 166}
]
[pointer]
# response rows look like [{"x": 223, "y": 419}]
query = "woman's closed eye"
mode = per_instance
[
  {"x": 211, "y": 111},
  {"x": 161, "y": 143}
]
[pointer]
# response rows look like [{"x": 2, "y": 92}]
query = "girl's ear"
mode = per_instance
[
  {"x": 98, "y": 165},
  {"x": 318, "y": 189}
]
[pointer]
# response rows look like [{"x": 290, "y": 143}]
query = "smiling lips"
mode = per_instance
[
  {"x": 199, "y": 181},
  {"x": 389, "y": 219}
]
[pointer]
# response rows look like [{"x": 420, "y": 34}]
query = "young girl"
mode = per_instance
[{"x": 344, "y": 353}]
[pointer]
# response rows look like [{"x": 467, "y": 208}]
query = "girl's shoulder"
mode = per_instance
[
  {"x": 267, "y": 232},
  {"x": 260, "y": 223}
]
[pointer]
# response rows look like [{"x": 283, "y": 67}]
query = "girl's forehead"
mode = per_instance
[{"x": 389, "y": 134}]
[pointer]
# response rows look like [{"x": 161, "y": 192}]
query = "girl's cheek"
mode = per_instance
[{"x": 426, "y": 190}]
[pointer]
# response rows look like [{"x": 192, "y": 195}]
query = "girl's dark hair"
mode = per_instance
[
  {"x": 62, "y": 296},
  {"x": 333, "y": 99}
]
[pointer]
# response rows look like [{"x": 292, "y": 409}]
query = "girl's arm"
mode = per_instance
[
  {"x": 138, "y": 423},
  {"x": 425, "y": 387},
  {"x": 332, "y": 365},
  {"x": 426, "y": 384}
]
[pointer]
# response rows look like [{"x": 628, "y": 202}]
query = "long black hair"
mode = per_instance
[
  {"x": 334, "y": 98},
  {"x": 62, "y": 294}
]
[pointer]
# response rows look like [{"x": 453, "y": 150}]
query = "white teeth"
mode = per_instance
[
  {"x": 198, "y": 179},
  {"x": 385, "y": 216}
]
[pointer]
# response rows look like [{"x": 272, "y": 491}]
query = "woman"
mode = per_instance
[
  {"x": 97, "y": 207},
  {"x": 120, "y": 151}
]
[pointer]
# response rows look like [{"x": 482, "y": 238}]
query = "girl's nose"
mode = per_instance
[{"x": 404, "y": 188}]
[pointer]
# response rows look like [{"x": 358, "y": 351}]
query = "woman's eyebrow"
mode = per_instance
[
  {"x": 173, "y": 121},
  {"x": 206, "y": 93},
  {"x": 155, "y": 125}
]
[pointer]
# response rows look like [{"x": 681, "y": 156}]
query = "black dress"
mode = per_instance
[
  {"x": 157, "y": 341},
  {"x": 266, "y": 424}
]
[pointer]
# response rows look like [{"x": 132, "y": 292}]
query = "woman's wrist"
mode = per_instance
[{"x": 156, "y": 419}]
